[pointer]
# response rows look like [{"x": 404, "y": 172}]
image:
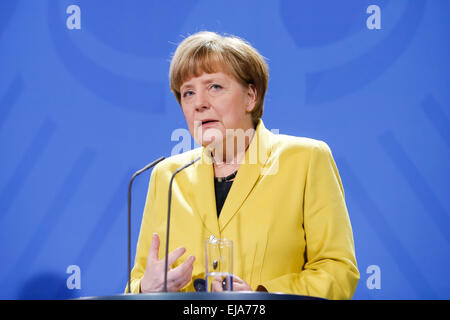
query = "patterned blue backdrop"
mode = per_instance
[{"x": 85, "y": 102}]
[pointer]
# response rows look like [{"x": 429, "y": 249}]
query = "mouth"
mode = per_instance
[{"x": 208, "y": 121}]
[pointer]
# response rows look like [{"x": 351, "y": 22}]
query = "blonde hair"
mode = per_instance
[{"x": 210, "y": 52}]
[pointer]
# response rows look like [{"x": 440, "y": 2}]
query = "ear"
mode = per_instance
[{"x": 252, "y": 96}]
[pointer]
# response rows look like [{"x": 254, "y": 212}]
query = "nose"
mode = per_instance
[{"x": 201, "y": 101}]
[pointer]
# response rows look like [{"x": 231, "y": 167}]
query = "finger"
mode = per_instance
[
  {"x": 181, "y": 275},
  {"x": 175, "y": 255},
  {"x": 217, "y": 285},
  {"x": 240, "y": 285},
  {"x": 154, "y": 249},
  {"x": 184, "y": 268},
  {"x": 239, "y": 281},
  {"x": 180, "y": 282}
]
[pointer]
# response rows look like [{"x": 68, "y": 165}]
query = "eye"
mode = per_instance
[
  {"x": 188, "y": 93},
  {"x": 216, "y": 87}
]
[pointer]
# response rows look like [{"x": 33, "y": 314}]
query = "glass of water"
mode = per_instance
[{"x": 219, "y": 264}]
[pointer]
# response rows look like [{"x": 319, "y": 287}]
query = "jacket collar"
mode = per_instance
[{"x": 250, "y": 170}]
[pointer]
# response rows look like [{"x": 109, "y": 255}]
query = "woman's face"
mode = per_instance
[{"x": 214, "y": 103}]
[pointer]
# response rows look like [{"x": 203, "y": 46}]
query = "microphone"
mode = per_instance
[
  {"x": 168, "y": 218},
  {"x": 150, "y": 165}
]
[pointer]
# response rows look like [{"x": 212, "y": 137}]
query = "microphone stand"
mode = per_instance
[
  {"x": 150, "y": 165},
  {"x": 168, "y": 219}
]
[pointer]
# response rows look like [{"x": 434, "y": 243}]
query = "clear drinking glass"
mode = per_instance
[{"x": 219, "y": 263}]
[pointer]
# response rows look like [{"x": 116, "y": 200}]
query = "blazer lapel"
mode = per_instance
[
  {"x": 256, "y": 156},
  {"x": 202, "y": 182}
]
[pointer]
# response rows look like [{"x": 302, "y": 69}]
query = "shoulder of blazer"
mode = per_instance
[{"x": 287, "y": 143}]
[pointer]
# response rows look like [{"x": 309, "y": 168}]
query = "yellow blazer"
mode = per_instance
[{"x": 285, "y": 213}]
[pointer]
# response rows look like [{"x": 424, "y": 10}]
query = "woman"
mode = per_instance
[{"x": 279, "y": 198}]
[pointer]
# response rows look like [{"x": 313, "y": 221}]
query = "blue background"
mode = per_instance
[{"x": 81, "y": 110}]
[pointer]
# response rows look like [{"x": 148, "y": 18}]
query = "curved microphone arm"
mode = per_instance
[
  {"x": 166, "y": 268},
  {"x": 150, "y": 165}
]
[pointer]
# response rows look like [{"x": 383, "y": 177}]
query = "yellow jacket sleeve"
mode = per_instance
[{"x": 330, "y": 270}]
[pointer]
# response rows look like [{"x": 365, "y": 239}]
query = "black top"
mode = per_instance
[{"x": 222, "y": 186}]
